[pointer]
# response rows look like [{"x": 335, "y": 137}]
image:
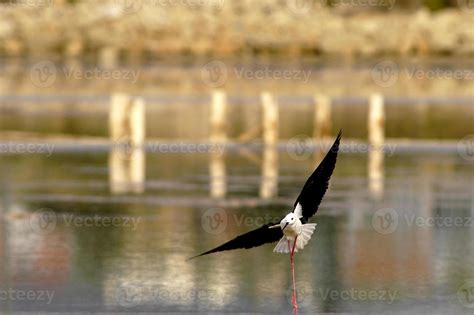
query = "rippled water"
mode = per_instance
[{"x": 73, "y": 245}]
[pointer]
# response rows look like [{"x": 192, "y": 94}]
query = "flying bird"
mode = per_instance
[{"x": 294, "y": 227}]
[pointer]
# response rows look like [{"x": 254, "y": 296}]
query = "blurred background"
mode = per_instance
[{"x": 136, "y": 134}]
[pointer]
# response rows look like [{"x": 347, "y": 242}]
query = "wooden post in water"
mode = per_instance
[
  {"x": 322, "y": 117},
  {"x": 376, "y": 121},
  {"x": 270, "y": 119},
  {"x": 218, "y": 137},
  {"x": 376, "y": 125},
  {"x": 269, "y": 185},
  {"x": 218, "y": 116},
  {"x": 127, "y": 132}
]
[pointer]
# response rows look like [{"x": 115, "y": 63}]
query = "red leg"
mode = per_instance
[{"x": 292, "y": 260}]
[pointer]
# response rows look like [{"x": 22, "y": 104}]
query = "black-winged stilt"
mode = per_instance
[{"x": 294, "y": 227}]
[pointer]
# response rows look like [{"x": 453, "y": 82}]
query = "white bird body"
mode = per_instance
[{"x": 292, "y": 228}]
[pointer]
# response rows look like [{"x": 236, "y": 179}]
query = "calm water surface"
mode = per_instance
[{"x": 404, "y": 245}]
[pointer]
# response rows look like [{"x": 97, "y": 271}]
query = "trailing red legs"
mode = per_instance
[{"x": 292, "y": 261}]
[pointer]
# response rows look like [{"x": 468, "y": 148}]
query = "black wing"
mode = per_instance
[
  {"x": 315, "y": 187},
  {"x": 260, "y": 236}
]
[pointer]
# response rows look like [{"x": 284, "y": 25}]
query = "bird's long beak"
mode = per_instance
[{"x": 285, "y": 226}]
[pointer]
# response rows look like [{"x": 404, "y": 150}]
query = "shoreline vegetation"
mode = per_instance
[{"x": 158, "y": 29}]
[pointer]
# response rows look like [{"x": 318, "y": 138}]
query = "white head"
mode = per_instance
[{"x": 289, "y": 220}]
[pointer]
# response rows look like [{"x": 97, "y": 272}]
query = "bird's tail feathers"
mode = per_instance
[{"x": 301, "y": 241}]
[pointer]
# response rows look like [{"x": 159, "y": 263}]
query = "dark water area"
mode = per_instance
[{"x": 405, "y": 245}]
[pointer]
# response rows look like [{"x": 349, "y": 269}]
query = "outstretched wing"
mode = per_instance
[
  {"x": 315, "y": 187},
  {"x": 260, "y": 236}
]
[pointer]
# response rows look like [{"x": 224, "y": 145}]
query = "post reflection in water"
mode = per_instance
[{"x": 122, "y": 267}]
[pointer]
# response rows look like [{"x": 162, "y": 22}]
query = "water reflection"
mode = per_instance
[{"x": 363, "y": 245}]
